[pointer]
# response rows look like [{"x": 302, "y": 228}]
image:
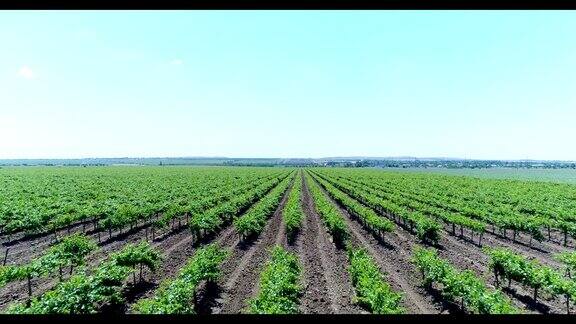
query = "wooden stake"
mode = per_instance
[
  {"x": 29, "y": 286},
  {"x": 5, "y": 256}
]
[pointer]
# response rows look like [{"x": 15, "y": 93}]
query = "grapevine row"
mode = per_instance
[
  {"x": 279, "y": 288},
  {"x": 88, "y": 293},
  {"x": 71, "y": 251},
  {"x": 372, "y": 290},
  {"x": 425, "y": 228},
  {"x": 176, "y": 296},
  {"x": 462, "y": 286},
  {"x": 252, "y": 223},
  {"x": 293, "y": 213}
]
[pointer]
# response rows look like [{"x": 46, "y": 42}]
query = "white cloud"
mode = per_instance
[
  {"x": 26, "y": 73},
  {"x": 177, "y": 62}
]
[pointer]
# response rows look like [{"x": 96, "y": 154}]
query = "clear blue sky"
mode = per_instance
[{"x": 288, "y": 84}]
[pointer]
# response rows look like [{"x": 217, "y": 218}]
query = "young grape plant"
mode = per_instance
[
  {"x": 508, "y": 265},
  {"x": 176, "y": 296},
  {"x": 462, "y": 286},
  {"x": 293, "y": 214},
  {"x": 372, "y": 290},
  {"x": 252, "y": 222},
  {"x": 71, "y": 251},
  {"x": 328, "y": 212},
  {"x": 85, "y": 293},
  {"x": 279, "y": 285}
]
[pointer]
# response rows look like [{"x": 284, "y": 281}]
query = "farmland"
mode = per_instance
[
  {"x": 265, "y": 240},
  {"x": 564, "y": 175}
]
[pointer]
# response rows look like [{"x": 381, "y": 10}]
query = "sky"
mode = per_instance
[{"x": 467, "y": 84}]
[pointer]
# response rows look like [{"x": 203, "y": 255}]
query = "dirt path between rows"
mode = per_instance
[
  {"x": 17, "y": 291},
  {"x": 176, "y": 253},
  {"x": 542, "y": 251},
  {"x": 29, "y": 249},
  {"x": 23, "y": 249},
  {"x": 327, "y": 285},
  {"x": 241, "y": 271},
  {"x": 394, "y": 260},
  {"x": 464, "y": 255},
  {"x": 168, "y": 242}
]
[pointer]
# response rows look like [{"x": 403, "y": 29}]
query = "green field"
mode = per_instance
[
  {"x": 147, "y": 239},
  {"x": 551, "y": 175}
]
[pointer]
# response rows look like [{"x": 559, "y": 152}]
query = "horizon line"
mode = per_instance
[{"x": 299, "y": 158}]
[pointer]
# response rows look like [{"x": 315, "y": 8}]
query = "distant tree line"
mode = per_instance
[
  {"x": 465, "y": 164},
  {"x": 327, "y": 162}
]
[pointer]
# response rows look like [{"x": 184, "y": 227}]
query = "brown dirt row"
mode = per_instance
[
  {"x": 464, "y": 255},
  {"x": 557, "y": 238},
  {"x": 175, "y": 253},
  {"x": 328, "y": 288},
  {"x": 29, "y": 249},
  {"x": 175, "y": 246},
  {"x": 241, "y": 271},
  {"x": 176, "y": 256},
  {"x": 542, "y": 251},
  {"x": 393, "y": 258},
  {"x": 543, "y": 255},
  {"x": 554, "y": 245},
  {"x": 467, "y": 256},
  {"x": 23, "y": 249},
  {"x": 21, "y": 240},
  {"x": 17, "y": 291}
]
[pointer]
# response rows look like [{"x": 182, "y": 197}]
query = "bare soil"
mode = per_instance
[
  {"x": 393, "y": 258},
  {"x": 464, "y": 254},
  {"x": 241, "y": 271},
  {"x": 328, "y": 288},
  {"x": 325, "y": 282}
]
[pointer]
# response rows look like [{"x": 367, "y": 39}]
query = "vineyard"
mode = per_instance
[{"x": 280, "y": 240}]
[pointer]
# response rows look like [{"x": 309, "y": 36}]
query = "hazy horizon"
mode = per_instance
[
  {"x": 273, "y": 157},
  {"x": 487, "y": 85}
]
